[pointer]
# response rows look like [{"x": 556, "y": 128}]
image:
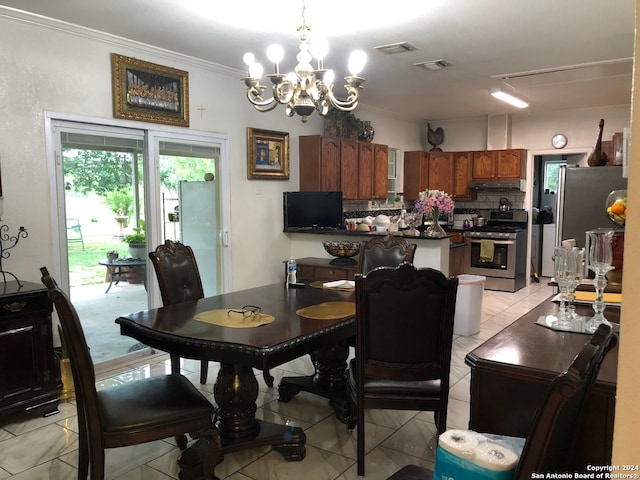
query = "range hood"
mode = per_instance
[{"x": 498, "y": 185}]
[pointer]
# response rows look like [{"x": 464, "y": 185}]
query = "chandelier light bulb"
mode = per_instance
[
  {"x": 255, "y": 70},
  {"x": 319, "y": 48},
  {"x": 357, "y": 61},
  {"x": 275, "y": 53},
  {"x": 249, "y": 59},
  {"x": 329, "y": 77}
]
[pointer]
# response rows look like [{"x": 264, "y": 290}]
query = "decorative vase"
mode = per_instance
[
  {"x": 68, "y": 392},
  {"x": 367, "y": 132},
  {"x": 435, "y": 230}
]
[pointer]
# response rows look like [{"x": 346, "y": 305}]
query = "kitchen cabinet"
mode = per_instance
[
  {"x": 311, "y": 269},
  {"x": 441, "y": 171},
  {"x": 457, "y": 259},
  {"x": 499, "y": 164},
  {"x": 462, "y": 174},
  {"x": 357, "y": 169},
  {"x": 416, "y": 173},
  {"x": 28, "y": 379},
  {"x": 447, "y": 171}
]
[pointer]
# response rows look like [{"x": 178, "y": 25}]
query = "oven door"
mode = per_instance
[{"x": 503, "y": 263}]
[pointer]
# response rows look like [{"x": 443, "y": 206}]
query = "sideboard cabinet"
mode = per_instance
[
  {"x": 28, "y": 379},
  {"x": 313, "y": 269}
]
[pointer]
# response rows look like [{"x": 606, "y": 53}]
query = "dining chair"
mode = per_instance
[
  {"x": 549, "y": 443},
  {"x": 404, "y": 325},
  {"x": 132, "y": 413},
  {"x": 179, "y": 281},
  {"x": 387, "y": 251}
]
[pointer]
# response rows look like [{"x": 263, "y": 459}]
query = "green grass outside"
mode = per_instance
[{"x": 83, "y": 264}]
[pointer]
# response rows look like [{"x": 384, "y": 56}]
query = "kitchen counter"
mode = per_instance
[{"x": 430, "y": 252}]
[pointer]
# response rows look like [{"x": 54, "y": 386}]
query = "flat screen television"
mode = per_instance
[{"x": 312, "y": 210}]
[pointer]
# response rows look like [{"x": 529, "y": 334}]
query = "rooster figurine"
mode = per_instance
[
  {"x": 435, "y": 137},
  {"x": 598, "y": 158}
]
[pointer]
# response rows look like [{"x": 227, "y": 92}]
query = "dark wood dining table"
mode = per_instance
[
  {"x": 510, "y": 374},
  {"x": 174, "y": 329}
]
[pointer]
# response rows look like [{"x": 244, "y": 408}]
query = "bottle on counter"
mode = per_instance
[
  {"x": 466, "y": 225},
  {"x": 292, "y": 271}
]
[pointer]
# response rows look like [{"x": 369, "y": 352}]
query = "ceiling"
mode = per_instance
[{"x": 560, "y": 55}]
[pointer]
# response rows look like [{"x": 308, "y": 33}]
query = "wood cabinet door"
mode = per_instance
[
  {"x": 349, "y": 169},
  {"x": 365, "y": 171},
  {"x": 329, "y": 164},
  {"x": 484, "y": 165},
  {"x": 380, "y": 171},
  {"x": 441, "y": 171},
  {"x": 462, "y": 173},
  {"x": 510, "y": 164},
  {"x": 416, "y": 174}
]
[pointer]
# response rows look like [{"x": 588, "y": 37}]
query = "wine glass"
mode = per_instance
[
  {"x": 565, "y": 267},
  {"x": 600, "y": 259},
  {"x": 577, "y": 258}
]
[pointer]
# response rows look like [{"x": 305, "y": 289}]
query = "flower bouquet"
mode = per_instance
[{"x": 435, "y": 203}]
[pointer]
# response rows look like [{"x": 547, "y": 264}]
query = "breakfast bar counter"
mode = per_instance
[{"x": 431, "y": 252}]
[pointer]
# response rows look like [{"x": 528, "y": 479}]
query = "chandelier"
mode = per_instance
[{"x": 306, "y": 89}]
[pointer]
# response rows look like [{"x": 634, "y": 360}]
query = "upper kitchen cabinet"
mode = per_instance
[
  {"x": 416, "y": 173},
  {"x": 380, "y": 171},
  {"x": 462, "y": 173},
  {"x": 319, "y": 163},
  {"x": 441, "y": 171},
  {"x": 446, "y": 171},
  {"x": 499, "y": 164},
  {"x": 357, "y": 169}
]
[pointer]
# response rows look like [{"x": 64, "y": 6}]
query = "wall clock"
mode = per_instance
[{"x": 559, "y": 141}]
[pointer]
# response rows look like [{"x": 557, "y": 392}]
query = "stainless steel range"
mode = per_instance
[{"x": 498, "y": 251}]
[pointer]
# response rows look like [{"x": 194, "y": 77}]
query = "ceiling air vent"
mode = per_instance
[
  {"x": 393, "y": 48},
  {"x": 432, "y": 65}
]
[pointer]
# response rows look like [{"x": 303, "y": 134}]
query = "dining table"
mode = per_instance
[{"x": 180, "y": 329}]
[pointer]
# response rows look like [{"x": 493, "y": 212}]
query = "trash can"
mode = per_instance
[{"x": 469, "y": 304}]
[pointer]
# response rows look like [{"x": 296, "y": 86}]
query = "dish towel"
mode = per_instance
[{"x": 486, "y": 250}]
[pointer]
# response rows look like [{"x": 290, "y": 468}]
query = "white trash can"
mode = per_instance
[{"x": 469, "y": 304}]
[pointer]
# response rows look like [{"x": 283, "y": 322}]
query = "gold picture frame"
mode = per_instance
[
  {"x": 267, "y": 154},
  {"x": 149, "y": 92}
]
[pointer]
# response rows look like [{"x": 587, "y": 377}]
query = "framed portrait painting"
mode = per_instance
[
  {"x": 267, "y": 154},
  {"x": 149, "y": 92}
]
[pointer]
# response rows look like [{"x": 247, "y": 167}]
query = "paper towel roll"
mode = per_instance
[
  {"x": 495, "y": 457},
  {"x": 460, "y": 442}
]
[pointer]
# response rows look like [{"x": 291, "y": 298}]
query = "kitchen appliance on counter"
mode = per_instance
[{"x": 498, "y": 250}]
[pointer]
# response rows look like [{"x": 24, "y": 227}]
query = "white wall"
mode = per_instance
[{"x": 49, "y": 67}]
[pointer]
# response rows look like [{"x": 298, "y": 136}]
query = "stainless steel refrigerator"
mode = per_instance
[{"x": 582, "y": 195}]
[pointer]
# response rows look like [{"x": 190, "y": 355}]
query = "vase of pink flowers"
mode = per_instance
[{"x": 435, "y": 203}]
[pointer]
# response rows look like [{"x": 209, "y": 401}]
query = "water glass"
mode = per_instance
[
  {"x": 567, "y": 273},
  {"x": 600, "y": 259}
]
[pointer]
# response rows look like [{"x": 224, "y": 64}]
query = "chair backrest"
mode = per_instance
[
  {"x": 177, "y": 272},
  {"x": 548, "y": 446},
  {"x": 84, "y": 377},
  {"x": 387, "y": 251},
  {"x": 404, "y": 319}
]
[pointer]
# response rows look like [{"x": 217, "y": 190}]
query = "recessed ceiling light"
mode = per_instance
[
  {"x": 432, "y": 65},
  {"x": 393, "y": 48}
]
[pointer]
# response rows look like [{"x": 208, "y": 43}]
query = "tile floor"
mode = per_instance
[{"x": 37, "y": 448}]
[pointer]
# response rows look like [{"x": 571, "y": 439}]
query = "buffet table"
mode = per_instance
[{"x": 511, "y": 371}]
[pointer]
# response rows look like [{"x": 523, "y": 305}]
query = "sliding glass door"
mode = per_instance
[{"x": 113, "y": 183}]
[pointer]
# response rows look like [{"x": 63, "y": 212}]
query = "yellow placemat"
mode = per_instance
[
  {"x": 223, "y": 318},
  {"x": 328, "y": 311},
  {"x": 591, "y": 296},
  {"x": 345, "y": 287}
]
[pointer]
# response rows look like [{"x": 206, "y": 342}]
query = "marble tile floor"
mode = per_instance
[{"x": 37, "y": 448}]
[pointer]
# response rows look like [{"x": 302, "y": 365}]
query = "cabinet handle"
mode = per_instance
[{"x": 14, "y": 306}]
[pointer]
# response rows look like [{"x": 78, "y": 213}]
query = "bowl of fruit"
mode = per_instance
[
  {"x": 343, "y": 251},
  {"x": 617, "y": 207}
]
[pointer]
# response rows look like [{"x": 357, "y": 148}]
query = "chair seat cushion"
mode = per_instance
[
  {"x": 147, "y": 403},
  {"x": 375, "y": 386}
]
